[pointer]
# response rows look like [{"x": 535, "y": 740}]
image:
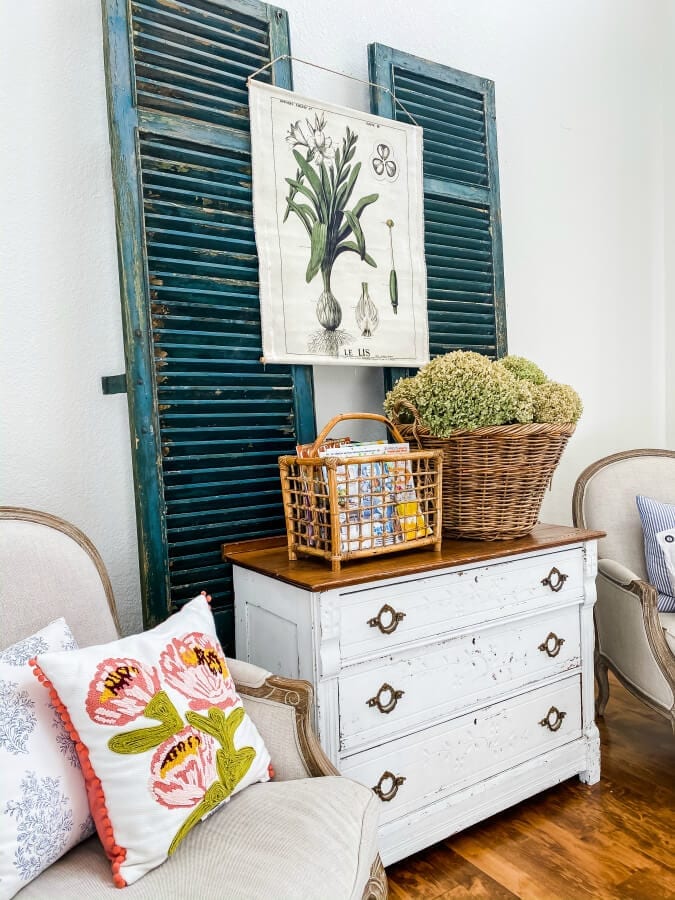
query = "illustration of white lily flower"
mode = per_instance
[
  {"x": 321, "y": 143},
  {"x": 296, "y": 137}
]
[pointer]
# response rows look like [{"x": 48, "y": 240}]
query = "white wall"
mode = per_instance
[
  {"x": 669, "y": 218},
  {"x": 64, "y": 447},
  {"x": 580, "y": 111}
]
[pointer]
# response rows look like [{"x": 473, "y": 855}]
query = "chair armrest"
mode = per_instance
[
  {"x": 280, "y": 709},
  {"x": 617, "y": 572},
  {"x": 247, "y": 675},
  {"x": 630, "y": 634}
]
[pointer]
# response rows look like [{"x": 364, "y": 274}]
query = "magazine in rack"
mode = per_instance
[{"x": 378, "y": 504}]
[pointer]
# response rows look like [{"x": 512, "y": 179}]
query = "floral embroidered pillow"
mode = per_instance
[
  {"x": 43, "y": 806},
  {"x": 161, "y": 734}
]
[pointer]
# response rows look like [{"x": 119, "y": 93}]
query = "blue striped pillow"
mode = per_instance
[{"x": 658, "y": 527}]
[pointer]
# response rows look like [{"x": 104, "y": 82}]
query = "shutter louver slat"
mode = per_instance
[
  {"x": 224, "y": 48},
  {"x": 220, "y": 419},
  {"x": 462, "y": 216}
]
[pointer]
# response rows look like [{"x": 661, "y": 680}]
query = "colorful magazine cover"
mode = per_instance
[{"x": 378, "y": 502}]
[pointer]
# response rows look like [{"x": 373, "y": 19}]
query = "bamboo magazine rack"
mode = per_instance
[{"x": 350, "y": 506}]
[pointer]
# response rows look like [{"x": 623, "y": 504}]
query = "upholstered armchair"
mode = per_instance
[
  {"x": 307, "y": 834},
  {"x": 634, "y": 640}
]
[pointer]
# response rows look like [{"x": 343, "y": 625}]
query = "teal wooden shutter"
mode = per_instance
[
  {"x": 465, "y": 269},
  {"x": 208, "y": 420}
]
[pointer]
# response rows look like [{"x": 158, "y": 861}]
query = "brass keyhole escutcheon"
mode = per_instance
[
  {"x": 551, "y": 646},
  {"x": 555, "y": 580},
  {"x": 387, "y": 619},
  {"x": 393, "y": 698},
  {"x": 553, "y": 719},
  {"x": 395, "y": 782}
]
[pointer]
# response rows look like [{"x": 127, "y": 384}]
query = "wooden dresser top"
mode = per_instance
[{"x": 269, "y": 556}]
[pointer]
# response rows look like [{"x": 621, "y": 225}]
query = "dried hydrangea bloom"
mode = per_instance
[
  {"x": 556, "y": 404},
  {"x": 523, "y": 369},
  {"x": 524, "y": 413},
  {"x": 464, "y": 390},
  {"x": 405, "y": 390}
]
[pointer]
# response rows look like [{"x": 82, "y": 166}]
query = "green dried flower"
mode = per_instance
[
  {"x": 464, "y": 390},
  {"x": 404, "y": 389},
  {"x": 556, "y": 404},
  {"x": 523, "y": 369},
  {"x": 524, "y": 403}
]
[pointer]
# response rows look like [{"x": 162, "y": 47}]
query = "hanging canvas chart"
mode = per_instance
[{"x": 338, "y": 211}]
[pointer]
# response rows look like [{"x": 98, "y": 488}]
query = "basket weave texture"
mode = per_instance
[
  {"x": 494, "y": 478},
  {"x": 329, "y": 504}
]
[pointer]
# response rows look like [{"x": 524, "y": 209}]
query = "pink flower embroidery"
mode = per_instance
[
  {"x": 195, "y": 665},
  {"x": 183, "y": 767},
  {"x": 120, "y": 690}
]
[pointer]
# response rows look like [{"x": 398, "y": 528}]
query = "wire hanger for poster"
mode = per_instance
[
  {"x": 338, "y": 213},
  {"x": 306, "y": 62}
]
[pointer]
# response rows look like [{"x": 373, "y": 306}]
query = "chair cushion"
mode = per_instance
[
  {"x": 296, "y": 840},
  {"x": 668, "y": 623},
  {"x": 161, "y": 732},
  {"x": 658, "y": 526}
]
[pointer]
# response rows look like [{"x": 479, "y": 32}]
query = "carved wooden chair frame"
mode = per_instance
[
  {"x": 287, "y": 691},
  {"x": 646, "y": 595}
]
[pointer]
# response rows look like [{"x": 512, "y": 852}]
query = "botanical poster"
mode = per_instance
[{"x": 338, "y": 212}]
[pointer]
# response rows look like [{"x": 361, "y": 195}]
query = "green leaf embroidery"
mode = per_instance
[
  {"x": 213, "y": 797},
  {"x": 143, "y": 739},
  {"x": 231, "y": 764},
  {"x": 232, "y": 768}
]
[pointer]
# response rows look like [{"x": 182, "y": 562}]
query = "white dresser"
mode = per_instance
[{"x": 452, "y": 684}]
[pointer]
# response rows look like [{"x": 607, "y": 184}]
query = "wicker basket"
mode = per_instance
[
  {"x": 494, "y": 478},
  {"x": 331, "y": 509}
]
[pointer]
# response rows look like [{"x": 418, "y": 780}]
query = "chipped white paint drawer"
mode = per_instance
[
  {"x": 378, "y": 619},
  {"x": 410, "y": 690},
  {"x": 416, "y": 770},
  {"x": 462, "y": 653}
]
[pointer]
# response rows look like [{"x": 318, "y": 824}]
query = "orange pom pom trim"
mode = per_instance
[
  {"x": 209, "y": 598},
  {"x": 99, "y": 810}
]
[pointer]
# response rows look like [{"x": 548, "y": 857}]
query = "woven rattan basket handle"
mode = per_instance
[
  {"x": 416, "y": 422},
  {"x": 408, "y": 407},
  {"x": 343, "y": 417}
]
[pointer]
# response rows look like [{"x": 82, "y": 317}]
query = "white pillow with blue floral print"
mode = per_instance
[{"x": 44, "y": 809}]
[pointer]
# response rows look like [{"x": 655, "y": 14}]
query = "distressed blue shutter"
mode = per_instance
[
  {"x": 208, "y": 420},
  {"x": 465, "y": 269}
]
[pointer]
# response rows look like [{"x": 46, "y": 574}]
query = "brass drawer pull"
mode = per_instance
[
  {"x": 555, "y": 580},
  {"x": 551, "y": 646},
  {"x": 553, "y": 719},
  {"x": 392, "y": 791},
  {"x": 388, "y": 612},
  {"x": 394, "y": 697}
]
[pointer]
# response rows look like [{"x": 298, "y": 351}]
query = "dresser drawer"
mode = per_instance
[
  {"x": 378, "y": 619},
  {"x": 409, "y": 690},
  {"x": 418, "y": 769}
]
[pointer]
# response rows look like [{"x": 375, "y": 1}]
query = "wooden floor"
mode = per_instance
[{"x": 613, "y": 840}]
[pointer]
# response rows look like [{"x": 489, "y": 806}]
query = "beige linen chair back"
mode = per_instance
[
  {"x": 604, "y": 499},
  {"x": 48, "y": 569}
]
